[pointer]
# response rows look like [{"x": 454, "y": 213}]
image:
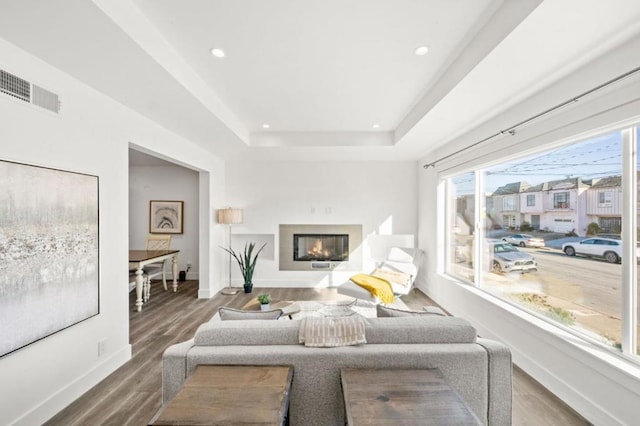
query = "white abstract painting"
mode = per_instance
[{"x": 49, "y": 261}]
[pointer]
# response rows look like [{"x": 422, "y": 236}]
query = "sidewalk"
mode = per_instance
[{"x": 597, "y": 325}]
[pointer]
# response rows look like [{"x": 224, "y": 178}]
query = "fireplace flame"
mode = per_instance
[
  {"x": 317, "y": 249},
  {"x": 321, "y": 247}
]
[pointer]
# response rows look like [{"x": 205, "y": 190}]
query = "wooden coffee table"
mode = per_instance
[
  {"x": 289, "y": 307},
  {"x": 407, "y": 397},
  {"x": 230, "y": 394}
]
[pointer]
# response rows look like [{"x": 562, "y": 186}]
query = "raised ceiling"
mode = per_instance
[{"x": 321, "y": 74}]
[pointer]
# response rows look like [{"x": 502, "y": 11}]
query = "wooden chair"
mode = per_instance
[{"x": 156, "y": 242}]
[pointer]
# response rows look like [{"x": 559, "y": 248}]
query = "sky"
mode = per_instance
[{"x": 594, "y": 158}]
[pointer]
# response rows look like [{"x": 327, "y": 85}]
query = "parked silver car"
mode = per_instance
[
  {"x": 524, "y": 240},
  {"x": 607, "y": 248},
  {"x": 506, "y": 258}
]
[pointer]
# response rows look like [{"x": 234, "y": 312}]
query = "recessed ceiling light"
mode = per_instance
[
  {"x": 422, "y": 50},
  {"x": 266, "y": 126},
  {"x": 376, "y": 126},
  {"x": 218, "y": 53}
]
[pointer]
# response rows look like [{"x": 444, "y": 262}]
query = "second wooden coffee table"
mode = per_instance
[{"x": 407, "y": 397}]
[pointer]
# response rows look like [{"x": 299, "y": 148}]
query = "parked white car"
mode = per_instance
[
  {"x": 506, "y": 258},
  {"x": 523, "y": 240},
  {"x": 606, "y": 248}
]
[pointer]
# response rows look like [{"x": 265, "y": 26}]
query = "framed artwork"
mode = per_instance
[
  {"x": 165, "y": 217},
  {"x": 49, "y": 252}
]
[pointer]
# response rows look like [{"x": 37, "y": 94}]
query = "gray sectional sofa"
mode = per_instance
[{"x": 478, "y": 369}]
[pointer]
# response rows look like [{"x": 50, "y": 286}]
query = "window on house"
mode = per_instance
[
  {"x": 561, "y": 200},
  {"x": 557, "y": 283},
  {"x": 509, "y": 204},
  {"x": 531, "y": 200},
  {"x": 605, "y": 198}
]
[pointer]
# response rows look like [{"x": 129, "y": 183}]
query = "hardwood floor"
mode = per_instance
[{"x": 132, "y": 394}]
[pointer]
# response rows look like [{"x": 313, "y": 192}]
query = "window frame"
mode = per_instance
[
  {"x": 509, "y": 203},
  {"x": 602, "y": 198},
  {"x": 559, "y": 205},
  {"x": 629, "y": 132}
]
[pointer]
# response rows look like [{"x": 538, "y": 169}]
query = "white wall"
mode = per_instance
[
  {"x": 381, "y": 196},
  {"x": 92, "y": 135},
  {"x": 602, "y": 387},
  {"x": 166, "y": 183}
]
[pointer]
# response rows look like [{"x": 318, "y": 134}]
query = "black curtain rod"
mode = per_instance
[{"x": 512, "y": 129}]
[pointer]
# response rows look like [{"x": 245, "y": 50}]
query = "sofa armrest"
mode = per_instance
[
  {"x": 500, "y": 381},
  {"x": 174, "y": 369}
]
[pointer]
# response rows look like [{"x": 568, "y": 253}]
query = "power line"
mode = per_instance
[{"x": 512, "y": 129}]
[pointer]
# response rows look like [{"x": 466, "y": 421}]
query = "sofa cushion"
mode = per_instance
[
  {"x": 385, "y": 311},
  {"x": 419, "y": 329},
  {"x": 249, "y": 332},
  {"x": 434, "y": 310},
  {"x": 239, "y": 314}
]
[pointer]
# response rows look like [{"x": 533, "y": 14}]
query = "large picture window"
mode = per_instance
[{"x": 567, "y": 269}]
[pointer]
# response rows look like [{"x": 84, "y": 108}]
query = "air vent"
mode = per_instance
[
  {"x": 19, "y": 88},
  {"x": 15, "y": 86},
  {"x": 45, "y": 99}
]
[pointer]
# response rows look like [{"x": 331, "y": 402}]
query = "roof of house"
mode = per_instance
[
  {"x": 570, "y": 183},
  {"x": 608, "y": 182},
  {"x": 511, "y": 188}
]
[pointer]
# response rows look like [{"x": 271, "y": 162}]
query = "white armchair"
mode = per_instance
[{"x": 400, "y": 268}]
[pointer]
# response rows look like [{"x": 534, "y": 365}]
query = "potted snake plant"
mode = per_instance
[{"x": 246, "y": 262}]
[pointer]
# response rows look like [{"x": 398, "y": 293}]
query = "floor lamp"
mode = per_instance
[{"x": 229, "y": 216}]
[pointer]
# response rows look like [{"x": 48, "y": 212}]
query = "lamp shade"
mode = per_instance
[{"x": 229, "y": 216}]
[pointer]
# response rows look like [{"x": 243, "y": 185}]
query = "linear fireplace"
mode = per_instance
[{"x": 320, "y": 247}]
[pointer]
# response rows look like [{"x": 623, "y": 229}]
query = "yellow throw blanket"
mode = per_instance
[{"x": 378, "y": 287}]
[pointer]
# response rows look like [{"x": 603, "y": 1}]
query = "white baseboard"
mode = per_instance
[
  {"x": 205, "y": 294},
  {"x": 66, "y": 395}
]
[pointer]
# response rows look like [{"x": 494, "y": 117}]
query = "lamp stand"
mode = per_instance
[{"x": 229, "y": 291}]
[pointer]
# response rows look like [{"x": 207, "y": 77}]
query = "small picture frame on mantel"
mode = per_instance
[{"x": 166, "y": 217}]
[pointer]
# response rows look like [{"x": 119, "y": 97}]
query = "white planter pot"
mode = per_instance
[{"x": 266, "y": 307}]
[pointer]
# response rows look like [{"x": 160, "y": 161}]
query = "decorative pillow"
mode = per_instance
[
  {"x": 435, "y": 310},
  {"x": 403, "y": 267},
  {"x": 386, "y": 312},
  {"x": 393, "y": 276},
  {"x": 239, "y": 314}
]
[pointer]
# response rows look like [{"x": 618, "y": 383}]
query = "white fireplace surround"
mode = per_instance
[{"x": 286, "y": 242}]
